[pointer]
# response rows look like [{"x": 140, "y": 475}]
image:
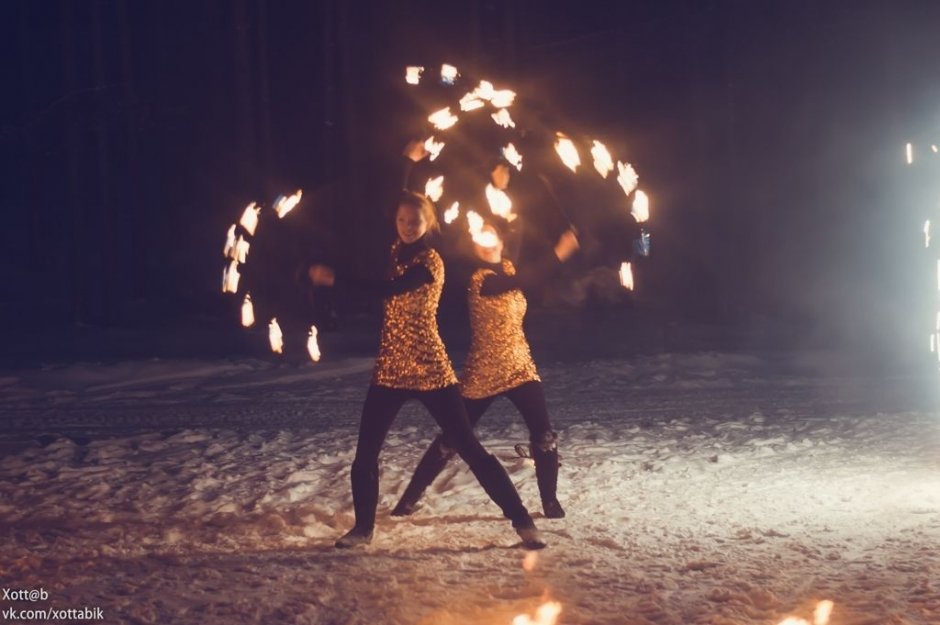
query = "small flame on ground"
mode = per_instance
[
  {"x": 471, "y": 102},
  {"x": 567, "y": 151},
  {"x": 442, "y": 119},
  {"x": 546, "y": 614},
  {"x": 434, "y": 188},
  {"x": 530, "y": 561},
  {"x": 641, "y": 207},
  {"x": 230, "y": 277},
  {"x": 433, "y": 147},
  {"x": 313, "y": 348},
  {"x": 626, "y": 276},
  {"x": 475, "y": 226},
  {"x": 275, "y": 337},
  {"x": 449, "y": 74},
  {"x": 413, "y": 74},
  {"x": 820, "y": 615},
  {"x": 286, "y": 203},
  {"x": 627, "y": 177},
  {"x": 229, "y": 250},
  {"x": 511, "y": 154},
  {"x": 927, "y": 233},
  {"x": 503, "y": 98},
  {"x": 500, "y": 204},
  {"x": 452, "y": 213},
  {"x": 249, "y": 220},
  {"x": 909, "y": 149},
  {"x": 248, "y": 312},
  {"x": 502, "y": 118},
  {"x": 603, "y": 163}
]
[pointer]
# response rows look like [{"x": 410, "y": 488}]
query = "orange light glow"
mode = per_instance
[
  {"x": 502, "y": 118},
  {"x": 442, "y": 119},
  {"x": 313, "y": 348},
  {"x": 603, "y": 163},
  {"x": 626, "y": 276},
  {"x": 249, "y": 220},
  {"x": 434, "y": 188},
  {"x": 287, "y": 203},
  {"x": 568, "y": 152},
  {"x": 248, "y": 312},
  {"x": 641, "y": 207},
  {"x": 275, "y": 337}
]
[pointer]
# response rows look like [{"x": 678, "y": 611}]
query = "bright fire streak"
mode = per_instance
[
  {"x": 531, "y": 559},
  {"x": 449, "y": 74},
  {"x": 248, "y": 312},
  {"x": 313, "y": 348},
  {"x": 230, "y": 278},
  {"x": 627, "y": 178},
  {"x": 442, "y": 119},
  {"x": 286, "y": 203},
  {"x": 434, "y": 188},
  {"x": 823, "y": 612},
  {"x": 602, "y": 160},
  {"x": 641, "y": 207},
  {"x": 229, "y": 250},
  {"x": 249, "y": 220},
  {"x": 484, "y": 90},
  {"x": 452, "y": 213},
  {"x": 471, "y": 102},
  {"x": 793, "y": 621},
  {"x": 567, "y": 151},
  {"x": 910, "y": 153},
  {"x": 503, "y": 98},
  {"x": 275, "y": 337},
  {"x": 241, "y": 249},
  {"x": 413, "y": 74},
  {"x": 433, "y": 147},
  {"x": 546, "y": 614},
  {"x": 502, "y": 118},
  {"x": 626, "y": 276},
  {"x": 475, "y": 225},
  {"x": 500, "y": 204},
  {"x": 511, "y": 154},
  {"x": 927, "y": 233}
]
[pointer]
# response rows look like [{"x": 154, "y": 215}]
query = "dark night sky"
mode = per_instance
[{"x": 769, "y": 134}]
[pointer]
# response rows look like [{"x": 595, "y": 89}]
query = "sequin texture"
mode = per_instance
[
  {"x": 411, "y": 353},
  {"x": 499, "y": 358}
]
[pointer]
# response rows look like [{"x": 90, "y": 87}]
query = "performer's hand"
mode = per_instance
[
  {"x": 567, "y": 245},
  {"x": 415, "y": 150},
  {"x": 321, "y": 275}
]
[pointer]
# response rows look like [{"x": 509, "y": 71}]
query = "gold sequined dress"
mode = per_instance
[
  {"x": 411, "y": 353},
  {"x": 499, "y": 358}
]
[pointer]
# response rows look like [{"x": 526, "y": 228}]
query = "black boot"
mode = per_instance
[
  {"x": 432, "y": 463},
  {"x": 545, "y": 454}
]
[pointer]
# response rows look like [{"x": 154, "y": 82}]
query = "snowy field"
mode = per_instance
[{"x": 700, "y": 489}]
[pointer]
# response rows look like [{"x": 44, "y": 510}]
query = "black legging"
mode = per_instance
[
  {"x": 529, "y": 399},
  {"x": 446, "y": 406}
]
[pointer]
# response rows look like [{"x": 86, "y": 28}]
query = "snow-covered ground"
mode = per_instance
[{"x": 704, "y": 488}]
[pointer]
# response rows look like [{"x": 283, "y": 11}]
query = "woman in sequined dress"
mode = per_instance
[
  {"x": 412, "y": 364},
  {"x": 500, "y": 363}
]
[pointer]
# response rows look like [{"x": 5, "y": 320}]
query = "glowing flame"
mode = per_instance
[
  {"x": 442, "y": 119},
  {"x": 433, "y": 147},
  {"x": 248, "y": 312},
  {"x": 603, "y": 163},
  {"x": 471, "y": 102},
  {"x": 249, "y": 220},
  {"x": 641, "y": 207},
  {"x": 546, "y": 614},
  {"x": 627, "y": 178},
  {"x": 413, "y": 74},
  {"x": 626, "y": 276},
  {"x": 230, "y": 278},
  {"x": 434, "y": 188},
  {"x": 286, "y": 203},
  {"x": 502, "y": 118},
  {"x": 275, "y": 337},
  {"x": 240, "y": 251},
  {"x": 449, "y": 74},
  {"x": 313, "y": 348},
  {"x": 568, "y": 153},
  {"x": 452, "y": 213},
  {"x": 531, "y": 559},
  {"x": 484, "y": 90},
  {"x": 511, "y": 154},
  {"x": 927, "y": 233},
  {"x": 503, "y": 98},
  {"x": 481, "y": 238},
  {"x": 229, "y": 250},
  {"x": 500, "y": 204},
  {"x": 934, "y": 148},
  {"x": 822, "y": 612},
  {"x": 910, "y": 153}
]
